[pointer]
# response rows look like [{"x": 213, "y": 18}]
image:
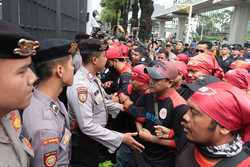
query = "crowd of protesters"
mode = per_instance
[{"x": 99, "y": 97}]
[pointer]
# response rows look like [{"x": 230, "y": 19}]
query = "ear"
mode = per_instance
[
  {"x": 94, "y": 60},
  {"x": 223, "y": 131},
  {"x": 169, "y": 83},
  {"x": 60, "y": 71}
]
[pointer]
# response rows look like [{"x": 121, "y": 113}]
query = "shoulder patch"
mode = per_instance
[
  {"x": 15, "y": 120},
  {"x": 50, "y": 158},
  {"x": 51, "y": 140},
  {"x": 82, "y": 93}
]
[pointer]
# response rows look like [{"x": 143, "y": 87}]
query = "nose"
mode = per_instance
[
  {"x": 190, "y": 74},
  {"x": 31, "y": 77},
  {"x": 186, "y": 117}
]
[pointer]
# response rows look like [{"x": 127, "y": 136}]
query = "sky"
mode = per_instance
[{"x": 166, "y": 3}]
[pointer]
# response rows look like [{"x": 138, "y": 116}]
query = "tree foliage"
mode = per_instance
[
  {"x": 218, "y": 21},
  {"x": 115, "y": 12}
]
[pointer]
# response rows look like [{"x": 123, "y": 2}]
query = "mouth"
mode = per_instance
[
  {"x": 185, "y": 127},
  {"x": 186, "y": 130},
  {"x": 30, "y": 92}
]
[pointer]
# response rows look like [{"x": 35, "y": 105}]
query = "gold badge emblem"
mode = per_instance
[{"x": 26, "y": 47}]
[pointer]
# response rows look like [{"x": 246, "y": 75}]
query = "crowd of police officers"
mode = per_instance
[{"x": 62, "y": 102}]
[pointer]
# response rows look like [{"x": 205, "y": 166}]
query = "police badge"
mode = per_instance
[{"x": 82, "y": 93}]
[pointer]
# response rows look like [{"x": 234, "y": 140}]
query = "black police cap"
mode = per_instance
[
  {"x": 15, "y": 42},
  {"x": 226, "y": 46},
  {"x": 92, "y": 45},
  {"x": 236, "y": 47},
  {"x": 51, "y": 49}
]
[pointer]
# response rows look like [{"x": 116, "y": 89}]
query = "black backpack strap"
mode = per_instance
[{"x": 232, "y": 161}]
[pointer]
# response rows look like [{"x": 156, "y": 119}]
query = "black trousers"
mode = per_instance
[{"x": 84, "y": 151}]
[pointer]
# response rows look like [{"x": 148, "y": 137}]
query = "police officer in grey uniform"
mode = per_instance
[
  {"x": 17, "y": 79},
  {"x": 46, "y": 121},
  {"x": 89, "y": 108}
]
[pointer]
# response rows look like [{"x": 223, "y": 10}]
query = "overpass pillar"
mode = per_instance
[
  {"x": 162, "y": 29},
  {"x": 181, "y": 27},
  {"x": 239, "y": 23}
]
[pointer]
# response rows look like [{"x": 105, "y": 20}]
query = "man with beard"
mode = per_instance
[{"x": 217, "y": 113}]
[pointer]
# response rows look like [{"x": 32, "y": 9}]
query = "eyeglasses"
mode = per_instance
[{"x": 199, "y": 50}]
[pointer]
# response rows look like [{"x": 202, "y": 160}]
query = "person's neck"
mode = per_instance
[
  {"x": 143, "y": 89},
  {"x": 91, "y": 69},
  {"x": 225, "y": 55},
  {"x": 51, "y": 88},
  {"x": 164, "y": 93}
]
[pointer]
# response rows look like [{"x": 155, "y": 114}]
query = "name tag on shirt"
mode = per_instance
[
  {"x": 65, "y": 139},
  {"x": 98, "y": 98}
]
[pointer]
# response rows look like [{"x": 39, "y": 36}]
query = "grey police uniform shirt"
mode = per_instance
[
  {"x": 15, "y": 149},
  {"x": 89, "y": 106},
  {"x": 46, "y": 124}
]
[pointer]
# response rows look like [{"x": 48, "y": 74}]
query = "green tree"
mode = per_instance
[
  {"x": 217, "y": 21},
  {"x": 115, "y": 12}
]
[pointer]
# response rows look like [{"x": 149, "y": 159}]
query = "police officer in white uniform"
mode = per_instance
[
  {"x": 89, "y": 108},
  {"x": 17, "y": 79},
  {"x": 46, "y": 120}
]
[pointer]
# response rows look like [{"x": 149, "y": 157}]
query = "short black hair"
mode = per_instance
[
  {"x": 80, "y": 36},
  {"x": 142, "y": 51},
  {"x": 87, "y": 56},
  {"x": 44, "y": 70},
  {"x": 212, "y": 126},
  {"x": 209, "y": 44}
]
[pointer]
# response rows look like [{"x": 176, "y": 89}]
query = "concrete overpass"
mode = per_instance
[{"x": 239, "y": 21}]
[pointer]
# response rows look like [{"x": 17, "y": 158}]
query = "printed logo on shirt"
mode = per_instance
[
  {"x": 82, "y": 93},
  {"x": 50, "y": 159},
  {"x": 163, "y": 113},
  {"x": 206, "y": 91}
]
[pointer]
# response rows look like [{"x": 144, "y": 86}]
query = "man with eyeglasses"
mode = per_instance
[{"x": 203, "y": 48}]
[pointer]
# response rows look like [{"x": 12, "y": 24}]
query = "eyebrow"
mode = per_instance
[{"x": 25, "y": 66}]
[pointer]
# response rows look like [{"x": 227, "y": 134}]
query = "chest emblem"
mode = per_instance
[{"x": 163, "y": 113}]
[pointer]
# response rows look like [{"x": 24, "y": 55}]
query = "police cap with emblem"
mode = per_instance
[
  {"x": 51, "y": 49},
  {"x": 15, "y": 42}
]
